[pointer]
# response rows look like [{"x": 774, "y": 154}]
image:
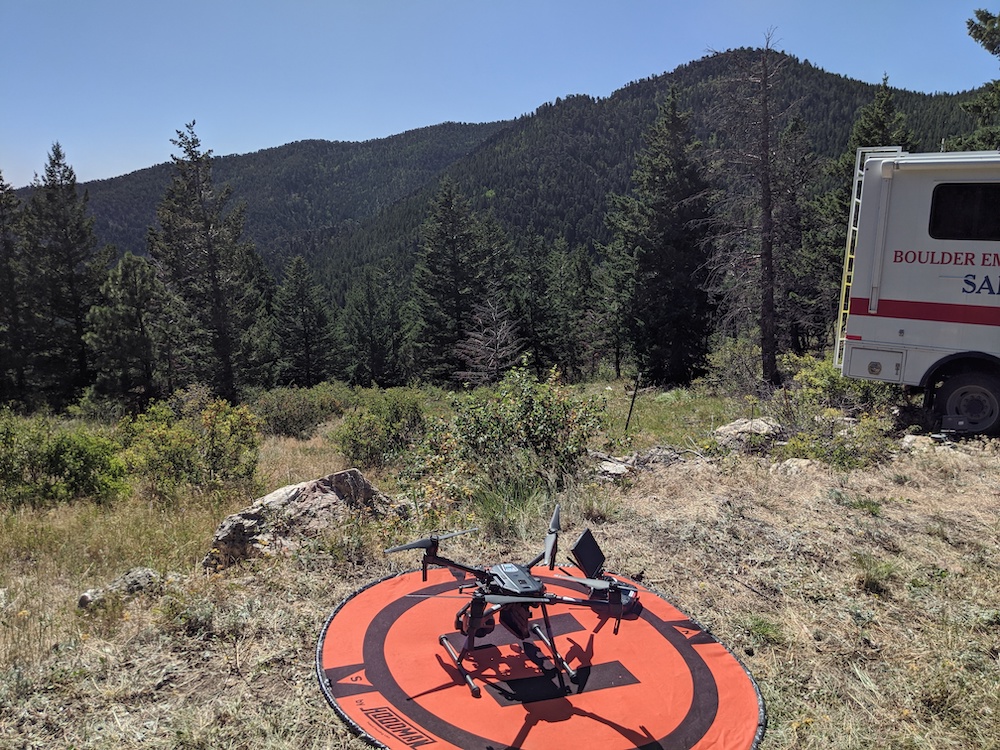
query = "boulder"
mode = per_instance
[
  {"x": 279, "y": 521},
  {"x": 749, "y": 434}
]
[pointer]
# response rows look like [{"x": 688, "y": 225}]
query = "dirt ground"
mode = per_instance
[{"x": 865, "y": 604}]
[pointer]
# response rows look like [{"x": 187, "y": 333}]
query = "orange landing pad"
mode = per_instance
[{"x": 662, "y": 682}]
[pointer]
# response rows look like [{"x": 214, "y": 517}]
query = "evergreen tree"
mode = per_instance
[
  {"x": 219, "y": 276},
  {"x": 819, "y": 267},
  {"x": 802, "y": 283},
  {"x": 615, "y": 284},
  {"x": 662, "y": 231},
  {"x": 456, "y": 255},
  {"x": 375, "y": 330},
  {"x": 985, "y": 106},
  {"x": 65, "y": 274},
  {"x": 13, "y": 335},
  {"x": 303, "y": 328},
  {"x": 135, "y": 335},
  {"x": 878, "y": 123},
  {"x": 569, "y": 295},
  {"x": 530, "y": 302}
]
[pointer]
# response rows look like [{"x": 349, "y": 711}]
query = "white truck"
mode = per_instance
[{"x": 920, "y": 301}]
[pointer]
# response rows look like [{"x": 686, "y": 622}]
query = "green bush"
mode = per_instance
[
  {"x": 378, "y": 432},
  {"x": 822, "y": 385},
  {"x": 843, "y": 422},
  {"x": 526, "y": 424},
  {"x": 217, "y": 445},
  {"x": 297, "y": 412},
  {"x": 734, "y": 368},
  {"x": 842, "y": 444},
  {"x": 44, "y": 461}
]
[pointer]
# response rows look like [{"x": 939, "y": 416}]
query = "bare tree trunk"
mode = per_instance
[{"x": 768, "y": 341}]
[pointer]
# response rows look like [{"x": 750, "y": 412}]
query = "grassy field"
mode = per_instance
[{"x": 866, "y": 603}]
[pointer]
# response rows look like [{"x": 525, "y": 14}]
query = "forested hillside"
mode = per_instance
[
  {"x": 550, "y": 172},
  {"x": 641, "y": 230},
  {"x": 298, "y": 194}
]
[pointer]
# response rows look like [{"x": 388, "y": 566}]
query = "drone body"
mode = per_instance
[{"x": 508, "y": 592}]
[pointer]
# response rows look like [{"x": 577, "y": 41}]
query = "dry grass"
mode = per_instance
[{"x": 866, "y": 604}]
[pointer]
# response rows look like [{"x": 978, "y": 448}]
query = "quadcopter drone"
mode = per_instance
[{"x": 508, "y": 592}]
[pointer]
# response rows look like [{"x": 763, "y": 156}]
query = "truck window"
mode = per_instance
[{"x": 965, "y": 211}]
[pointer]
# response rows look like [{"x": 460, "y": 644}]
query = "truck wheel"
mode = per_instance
[{"x": 973, "y": 397}]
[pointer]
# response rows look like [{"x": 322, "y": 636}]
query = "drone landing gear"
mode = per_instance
[
  {"x": 473, "y": 687},
  {"x": 477, "y": 617},
  {"x": 560, "y": 663}
]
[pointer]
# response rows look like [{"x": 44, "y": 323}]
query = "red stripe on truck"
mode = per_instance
[{"x": 941, "y": 312}]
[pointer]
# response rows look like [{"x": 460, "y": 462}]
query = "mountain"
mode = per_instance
[
  {"x": 343, "y": 205},
  {"x": 304, "y": 187}
]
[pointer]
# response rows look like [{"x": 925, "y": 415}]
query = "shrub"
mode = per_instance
[
  {"x": 44, "y": 461},
  {"x": 840, "y": 443},
  {"x": 297, "y": 412},
  {"x": 526, "y": 424},
  {"x": 841, "y": 421},
  {"x": 734, "y": 368},
  {"x": 217, "y": 445},
  {"x": 821, "y": 384},
  {"x": 379, "y": 432}
]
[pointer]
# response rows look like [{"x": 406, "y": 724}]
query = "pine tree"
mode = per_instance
[
  {"x": 376, "y": 331},
  {"x": 13, "y": 335},
  {"x": 456, "y": 255},
  {"x": 878, "y": 123},
  {"x": 303, "y": 328},
  {"x": 134, "y": 335},
  {"x": 199, "y": 251},
  {"x": 66, "y": 272},
  {"x": 662, "y": 229},
  {"x": 530, "y": 302},
  {"x": 615, "y": 284},
  {"x": 803, "y": 287},
  {"x": 569, "y": 295},
  {"x": 985, "y": 106}
]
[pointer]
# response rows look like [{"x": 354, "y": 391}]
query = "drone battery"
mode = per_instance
[{"x": 516, "y": 618}]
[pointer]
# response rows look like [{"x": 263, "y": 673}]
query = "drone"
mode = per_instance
[{"x": 508, "y": 592}]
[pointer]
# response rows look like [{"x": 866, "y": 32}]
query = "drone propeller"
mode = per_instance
[
  {"x": 428, "y": 542},
  {"x": 552, "y": 539},
  {"x": 505, "y": 599},
  {"x": 597, "y": 584}
]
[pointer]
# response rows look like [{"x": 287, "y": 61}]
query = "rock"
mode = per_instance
[
  {"x": 749, "y": 434},
  {"x": 613, "y": 467},
  {"x": 792, "y": 466},
  {"x": 917, "y": 443},
  {"x": 134, "y": 582},
  {"x": 278, "y": 521},
  {"x": 660, "y": 455}
]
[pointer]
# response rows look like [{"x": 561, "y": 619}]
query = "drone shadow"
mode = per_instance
[{"x": 555, "y": 711}]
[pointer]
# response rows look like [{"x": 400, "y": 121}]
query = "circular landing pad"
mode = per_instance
[{"x": 662, "y": 682}]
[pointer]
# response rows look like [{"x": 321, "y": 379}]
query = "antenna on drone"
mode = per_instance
[{"x": 551, "y": 543}]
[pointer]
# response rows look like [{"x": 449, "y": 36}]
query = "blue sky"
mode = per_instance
[{"x": 112, "y": 80}]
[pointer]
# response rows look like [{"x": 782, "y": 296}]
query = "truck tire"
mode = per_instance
[{"x": 975, "y": 398}]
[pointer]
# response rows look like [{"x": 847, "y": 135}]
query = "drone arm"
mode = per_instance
[{"x": 434, "y": 559}]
